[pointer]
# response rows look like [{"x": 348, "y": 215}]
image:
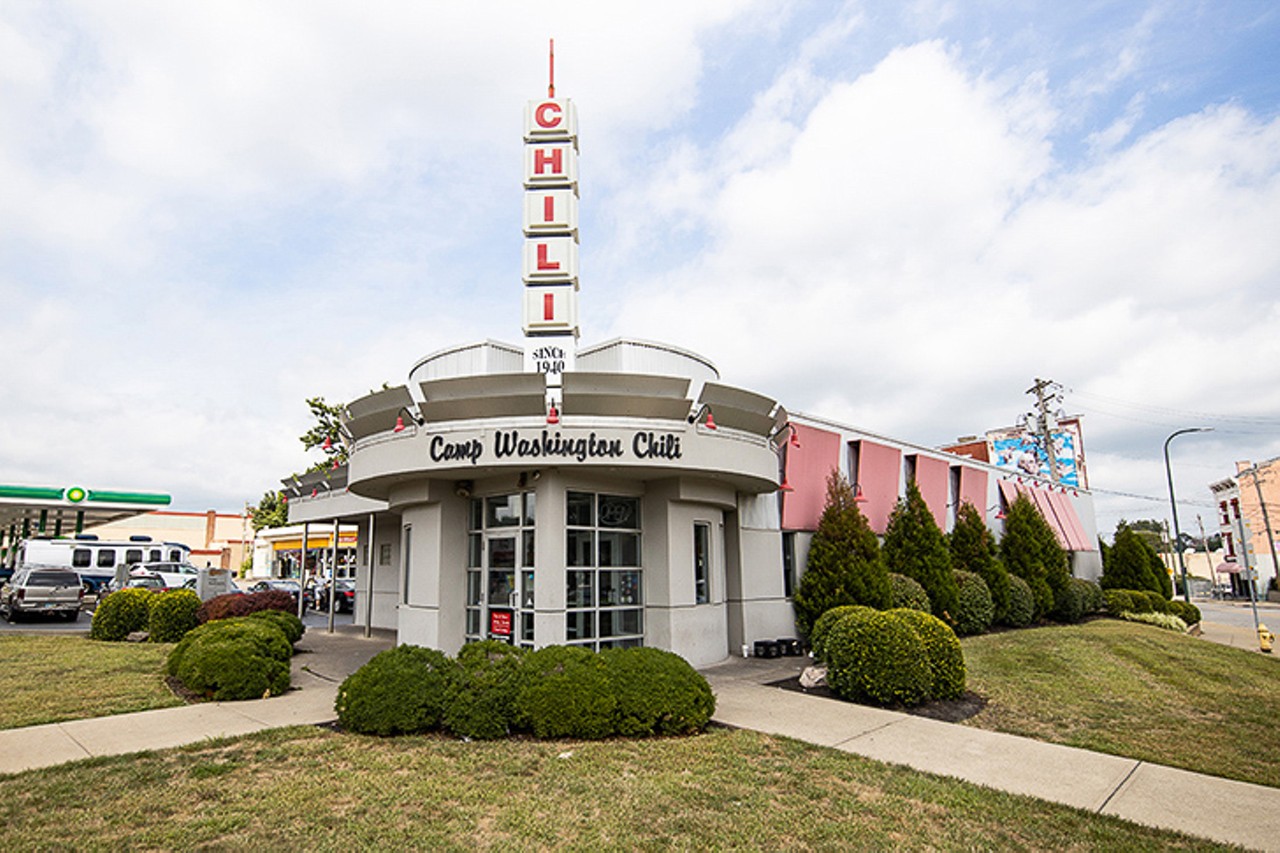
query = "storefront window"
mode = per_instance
[
  {"x": 701, "y": 563},
  {"x": 603, "y": 578}
]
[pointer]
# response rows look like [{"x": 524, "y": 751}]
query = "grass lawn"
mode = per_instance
[
  {"x": 1133, "y": 690},
  {"x": 306, "y": 788},
  {"x": 49, "y": 679}
]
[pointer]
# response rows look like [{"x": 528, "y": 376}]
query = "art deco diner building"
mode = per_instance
[{"x": 609, "y": 495}]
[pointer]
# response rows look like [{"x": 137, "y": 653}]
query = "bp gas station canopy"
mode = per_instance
[{"x": 62, "y": 511}]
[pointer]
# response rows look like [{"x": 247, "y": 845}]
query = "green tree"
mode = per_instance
[
  {"x": 326, "y": 434},
  {"x": 272, "y": 511},
  {"x": 973, "y": 549},
  {"x": 1021, "y": 551},
  {"x": 844, "y": 564},
  {"x": 915, "y": 547},
  {"x": 1129, "y": 562}
]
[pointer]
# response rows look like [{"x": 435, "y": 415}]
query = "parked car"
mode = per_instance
[
  {"x": 290, "y": 586},
  {"x": 155, "y": 583},
  {"x": 346, "y": 597},
  {"x": 175, "y": 575},
  {"x": 42, "y": 590}
]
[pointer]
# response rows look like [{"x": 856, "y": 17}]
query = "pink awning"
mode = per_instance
[
  {"x": 1228, "y": 569},
  {"x": 1057, "y": 510}
]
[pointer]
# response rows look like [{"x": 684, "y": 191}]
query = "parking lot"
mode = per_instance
[{"x": 51, "y": 624}]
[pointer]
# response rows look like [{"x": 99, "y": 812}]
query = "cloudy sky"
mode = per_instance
[{"x": 895, "y": 215}]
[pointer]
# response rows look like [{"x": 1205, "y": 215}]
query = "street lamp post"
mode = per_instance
[{"x": 1173, "y": 504}]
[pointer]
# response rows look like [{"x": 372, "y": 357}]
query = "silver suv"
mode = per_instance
[{"x": 40, "y": 590}]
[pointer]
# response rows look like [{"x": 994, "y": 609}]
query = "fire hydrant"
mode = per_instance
[{"x": 1265, "y": 638}]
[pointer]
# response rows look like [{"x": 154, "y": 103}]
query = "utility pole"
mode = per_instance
[
  {"x": 1204, "y": 542},
  {"x": 1046, "y": 421}
]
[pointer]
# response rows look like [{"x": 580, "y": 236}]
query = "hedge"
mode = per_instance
[
  {"x": 822, "y": 626},
  {"x": 172, "y": 614},
  {"x": 657, "y": 693},
  {"x": 975, "y": 608},
  {"x": 400, "y": 691},
  {"x": 233, "y": 659},
  {"x": 942, "y": 650},
  {"x": 121, "y": 613},
  {"x": 235, "y": 604},
  {"x": 1022, "y": 604},
  {"x": 565, "y": 692},
  {"x": 481, "y": 704},
  {"x": 907, "y": 592},
  {"x": 877, "y": 657}
]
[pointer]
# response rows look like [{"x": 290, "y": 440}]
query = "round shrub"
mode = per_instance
[
  {"x": 942, "y": 649},
  {"x": 565, "y": 692},
  {"x": 1159, "y": 604},
  {"x": 481, "y": 704},
  {"x": 975, "y": 608},
  {"x": 1141, "y": 601},
  {"x": 400, "y": 691},
  {"x": 822, "y": 626},
  {"x": 1118, "y": 601},
  {"x": 172, "y": 614},
  {"x": 235, "y": 604},
  {"x": 1185, "y": 610},
  {"x": 1069, "y": 602},
  {"x": 657, "y": 692},
  {"x": 907, "y": 592},
  {"x": 875, "y": 657},
  {"x": 233, "y": 659},
  {"x": 291, "y": 626},
  {"x": 1022, "y": 603},
  {"x": 120, "y": 614}
]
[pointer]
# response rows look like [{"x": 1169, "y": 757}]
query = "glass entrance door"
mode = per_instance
[{"x": 500, "y": 601}]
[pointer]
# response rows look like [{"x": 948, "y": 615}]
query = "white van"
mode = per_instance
[{"x": 95, "y": 560}]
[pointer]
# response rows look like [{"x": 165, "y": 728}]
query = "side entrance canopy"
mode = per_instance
[{"x": 59, "y": 511}]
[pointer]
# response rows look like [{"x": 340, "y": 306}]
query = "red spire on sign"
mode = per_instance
[{"x": 551, "y": 69}]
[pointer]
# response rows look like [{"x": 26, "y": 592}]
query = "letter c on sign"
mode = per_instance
[{"x": 547, "y": 114}]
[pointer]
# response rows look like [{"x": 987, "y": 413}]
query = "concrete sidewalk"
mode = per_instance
[
  {"x": 322, "y": 662},
  {"x": 1200, "y": 805}
]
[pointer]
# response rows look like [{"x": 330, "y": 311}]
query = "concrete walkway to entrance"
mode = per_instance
[
  {"x": 322, "y": 662},
  {"x": 1200, "y": 805},
  {"x": 1151, "y": 794}
]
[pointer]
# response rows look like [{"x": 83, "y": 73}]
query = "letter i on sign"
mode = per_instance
[
  {"x": 548, "y": 307},
  {"x": 549, "y": 208}
]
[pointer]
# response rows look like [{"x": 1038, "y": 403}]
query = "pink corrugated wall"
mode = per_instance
[
  {"x": 973, "y": 488},
  {"x": 808, "y": 467},
  {"x": 879, "y": 469},
  {"x": 933, "y": 480}
]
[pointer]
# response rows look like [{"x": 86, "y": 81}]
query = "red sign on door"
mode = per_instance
[{"x": 500, "y": 622}]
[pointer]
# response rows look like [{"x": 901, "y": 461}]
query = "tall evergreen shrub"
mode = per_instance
[
  {"x": 1021, "y": 552},
  {"x": 973, "y": 549},
  {"x": 915, "y": 547},
  {"x": 1128, "y": 562},
  {"x": 844, "y": 564}
]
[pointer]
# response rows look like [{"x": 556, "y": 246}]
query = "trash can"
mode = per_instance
[
  {"x": 789, "y": 647},
  {"x": 767, "y": 649}
]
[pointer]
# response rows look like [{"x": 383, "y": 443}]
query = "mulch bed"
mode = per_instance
[{"x": 950, "y": 711}]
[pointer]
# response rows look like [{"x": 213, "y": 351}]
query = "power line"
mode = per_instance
[
  {"x": 1188, "y": 502},
  {"x": 1240, "y": 421}
]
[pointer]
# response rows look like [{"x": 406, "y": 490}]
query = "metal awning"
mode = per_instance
[{"x": 54, "y": 510}]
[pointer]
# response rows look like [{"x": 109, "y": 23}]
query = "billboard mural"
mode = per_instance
[{"x": 1021, "y": 451}]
